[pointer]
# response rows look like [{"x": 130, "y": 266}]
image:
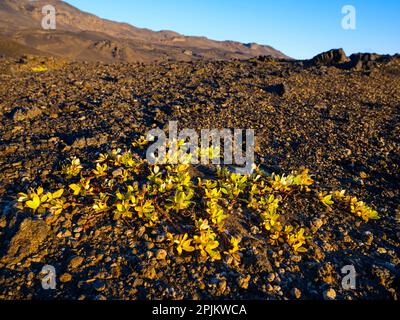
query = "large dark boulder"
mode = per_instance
[
  {"x": 28, "y": 239},
  {"x": 279, "y": 89},
  {"x": 267, "y": 58},
  {"x": 332, "y": 57},
  {"x": 362, "y": 61},
  {"x": 357, "y": 62}
]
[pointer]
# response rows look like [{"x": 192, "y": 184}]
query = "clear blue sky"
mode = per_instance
[{"x": 299, "y": 28}]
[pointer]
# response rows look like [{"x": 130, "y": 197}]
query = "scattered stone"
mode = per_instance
[
  {"x": 150, "y": 273},
  {"x": 347, "y": 238},
  {"x": 66, "y": 277},
  {"x": 271, "y": 277},
  {"x": 116, "y": 271},
  {"x": 64, "y": 234},
  {"x": 161, "y": 254},
  {"x": 3, "y": 222},
  {"x": 296, "y": 293},
  {"x": 318, "y": 254},
  {"x": 150, "y": 245},
  {"x": 160, "y": 238},
  {"x": 141, "y": 231},
  {"x": 222, "y": 285},
  {"x": 243, "y": 282},
  {"x": 75, "y": 262},
  {"x": 88, "y": 142},
  {"x": 316, "y": 224},
  {"x": 330, "y": 294},
  {"x": 296, "y": 258},
  {"x": 99, "y": 285},
  {"x": 137, "y": 282},
  {"x": 381, "y": 250},
  {"x": 369, "y": 237},
  {"x": 30, "y": 236},
  {"x": 27, "y": 113}
]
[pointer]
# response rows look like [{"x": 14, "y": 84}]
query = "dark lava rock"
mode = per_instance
[
  {"x": 338, "y": 123},
  {"x": 266, "y": 58},
  {"x": 27, "y": 240},
  {"x": 332, "y": 57},
  {"x": 279, "y": 89},
  {"x": 356, "y": 62},
  {"x": 26, "y": 113},
  {"x": 99, "y": 285},
  {"x": 66, "y": 277},
  {"x": 87, "y": 142},
  {"x": 75, "y": 262},
  {"x": 362, "y": 61}
]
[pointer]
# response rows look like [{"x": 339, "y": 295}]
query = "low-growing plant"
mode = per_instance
[
  {"x": 180, "y": 201},
  {"x": 73, "y": 169},
  {"x": 140, "y": 143},
  {"x": 356, "y": 207},
  {"x": 296, "y": 239},
  {"x": 233, "y": 255},
  {"x": 326, "y": 199},
  {"x": 303, "y": 180},
  {"x": 268, "y": 204},
  {"x": 181, "y": 242},
  {"x": 101, "y": 203},
  {"x": 360, "y": 209},
  {"x": 101, "y": 170},
  {"x": 213, "y": 195},
  {"x": 216, "y": 214},
  {"x": 39, "y": 201},
  {"x": 126, "y": 202},
  {"x": 281, "y": 183},
  {"x": 83, "y": 188},
  {"x": 233, "y": 185},
  {"x": 207, "y": 244},
  {"x": 39, "y": 69},
  {"x": 209, "y": 154},
  {"x": 145, "y": 208},
  {"x": 127, "y": 187}
]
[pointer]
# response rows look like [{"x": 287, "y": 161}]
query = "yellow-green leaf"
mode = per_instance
[
  {"x": 58, "y": 194},
  {"x": 34, "y": 203},
  {"x": 75, "y": 188}
]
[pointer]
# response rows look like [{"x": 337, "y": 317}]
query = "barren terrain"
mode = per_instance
[{"x": 337, "y": 118}]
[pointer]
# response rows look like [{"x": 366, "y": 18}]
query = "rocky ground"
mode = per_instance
[{"x": 339, "y": 119}]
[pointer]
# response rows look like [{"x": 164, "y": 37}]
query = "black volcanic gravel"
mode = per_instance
[{"x": 342, "y": 125}]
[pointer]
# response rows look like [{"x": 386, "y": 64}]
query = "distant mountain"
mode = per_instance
[{"x": 83, "y": 36}]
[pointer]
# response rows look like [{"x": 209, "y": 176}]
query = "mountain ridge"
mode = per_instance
[{"x": 85, "y": 36}]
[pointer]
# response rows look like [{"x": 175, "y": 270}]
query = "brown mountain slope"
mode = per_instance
[
  {"x": 84, "y": 36},
  {"x": 11, "y": 48}
]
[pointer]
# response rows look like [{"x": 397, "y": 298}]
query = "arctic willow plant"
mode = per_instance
[{"x": 196, "y": 213}]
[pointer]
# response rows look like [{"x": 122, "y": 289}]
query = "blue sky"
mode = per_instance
[{"x": 299, "y": 28}]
